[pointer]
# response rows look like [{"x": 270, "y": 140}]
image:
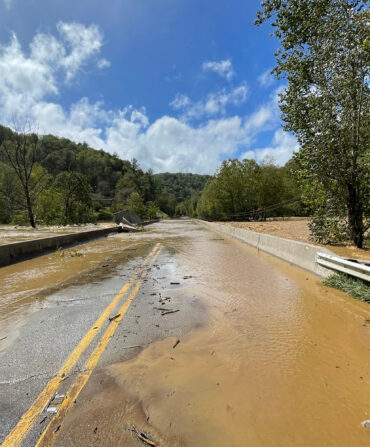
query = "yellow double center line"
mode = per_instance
[{"x": 27, "y": 421}]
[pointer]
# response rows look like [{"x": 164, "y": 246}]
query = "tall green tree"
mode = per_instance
[
  {"x": 21, "y": 153},
  {"x": 75, "y": 194},
  {"x": 324, "y": 56}
]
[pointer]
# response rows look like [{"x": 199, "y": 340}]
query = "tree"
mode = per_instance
[
  {"x": 324, "y": 55},
  {"x": 136, "y": 204},
  {"x": 20, "y": 151},
  {"x": 74, "y": 191},
  {"x": 166, "y": 203}
]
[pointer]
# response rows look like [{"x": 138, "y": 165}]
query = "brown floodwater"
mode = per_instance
[
  {"x": 24, "y": 285},
  {"x": 282, "y": 361}
]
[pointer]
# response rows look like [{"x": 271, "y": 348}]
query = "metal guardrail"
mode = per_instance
[{"x": 357, "y": 268}]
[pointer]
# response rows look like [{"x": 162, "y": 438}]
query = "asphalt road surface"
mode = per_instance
[{"x": 193, "y": 339}]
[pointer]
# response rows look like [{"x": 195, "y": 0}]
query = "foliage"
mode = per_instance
[
  {"x": 178, "y": 193},
  {"x": 152, "y": 210},
  {"x": 324, "y": 56},
  {"x": 240, "y": 188},
  {"x": 20, "y": 219},
  {"x": 77, "y": 184},
  {"x": 60, "y": 165},
  {"x": 182, "y": 186},
  {"x": 189, "y": 206},
  {"x": 66, "y": 201},
  {"x": 104, "y": 214},
  {"x": 167, "y": 203},
  {"x": 20, "y": 151},
  {"x": 355, "y": 287},
  {"x": 136, "y": 204}
]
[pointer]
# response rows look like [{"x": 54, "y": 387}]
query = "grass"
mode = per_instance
[{"x": 355, "y": 287}]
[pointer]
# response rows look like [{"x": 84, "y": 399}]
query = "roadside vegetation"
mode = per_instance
[
  {"x": 245, "y": 190},
  {"x": 355, "y": 287},
  {"x": 54, "y": 181},
  {"x": 324, "y": 57}
]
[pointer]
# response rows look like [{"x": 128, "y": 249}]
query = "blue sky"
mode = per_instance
[{"x": 178, "y": 84}]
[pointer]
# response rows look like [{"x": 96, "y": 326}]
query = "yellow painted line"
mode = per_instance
[
  {"x": 47, "y": 436},
  {"x": 26, "y": 422}
]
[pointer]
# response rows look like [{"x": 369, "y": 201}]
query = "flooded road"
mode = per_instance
[{"x": 252, "y": 352}]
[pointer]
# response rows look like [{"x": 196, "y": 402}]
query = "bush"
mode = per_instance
[
  {"x": 326, "y": 229},
  {"x": 20, "y": 219},
  {"x": 5, "y": 211}
]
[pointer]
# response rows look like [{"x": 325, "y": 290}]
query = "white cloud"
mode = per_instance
[
  {"x": 83, "y": 42},
  {"x": 27, "y": 80},
  {"x": 214, "y": 104},
  {"x": 281, "y": 150},
  {"x": 103, "y": 63},
  {"x": 168, "y": 143},
  {"x": 266, "y": 79},
  {"x": 180, "y": 102},
  {"x": 223, "y": 68},
  {"x": 29, "y": 77}
]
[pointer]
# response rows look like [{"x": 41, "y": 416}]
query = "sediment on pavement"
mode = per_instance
[
  {"x": 17, "y": 251},
  {"x": 300, "y": 254}
]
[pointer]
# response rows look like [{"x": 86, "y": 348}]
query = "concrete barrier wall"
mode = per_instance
[
  {"x": 17, "y": 250},
  {"x": 298, "y": 253}
]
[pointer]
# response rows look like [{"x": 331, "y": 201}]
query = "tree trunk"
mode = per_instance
[
  {"x": 30, "y": 211},
  {"x": 355, "y": 216}
]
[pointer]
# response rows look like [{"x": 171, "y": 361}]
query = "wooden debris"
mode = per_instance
[
  {"x": 162, "y": 309},
  {"x": 115, "y": 317},
  {"x": 143, "y": 437},
  {"x": 170, "y": 312},
  {"x": 174, "y": 346}
]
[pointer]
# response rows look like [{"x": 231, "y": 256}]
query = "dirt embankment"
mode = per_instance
[{"x": 297, "y": 230}]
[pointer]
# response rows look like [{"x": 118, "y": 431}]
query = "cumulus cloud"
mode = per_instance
[
  {"x": 281, "y": 149},
  {"x": 82, "y": 41},
  {"x": 26, "y": 77},
  {"x": 168, "y": 143},
  {"x": 31, "y": 81},
  {"x": 214, "y": 104},
  {"x": 223, "y": 68}
]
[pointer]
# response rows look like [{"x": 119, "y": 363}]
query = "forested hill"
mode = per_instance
[
  {"x": 54, "y": 180},
  {"x": 182, "y": 186}
]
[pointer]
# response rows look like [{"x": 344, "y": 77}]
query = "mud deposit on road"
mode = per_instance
[
  {"x": 283, "y": 361},
  {"x": 24, "y": 285},
  {"x": 11, "y": 233}
]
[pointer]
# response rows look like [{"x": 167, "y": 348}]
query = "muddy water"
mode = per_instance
[
  {"x": 283, "y": 361},
  {"x": 24, "y": 285}
]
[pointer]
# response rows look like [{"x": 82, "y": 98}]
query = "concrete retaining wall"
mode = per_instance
[
  {"x": 298, "y": 253},
  {"x": 17, "y": 250}
]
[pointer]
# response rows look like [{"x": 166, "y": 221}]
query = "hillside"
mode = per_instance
[{"x": 54, "y": 180}]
